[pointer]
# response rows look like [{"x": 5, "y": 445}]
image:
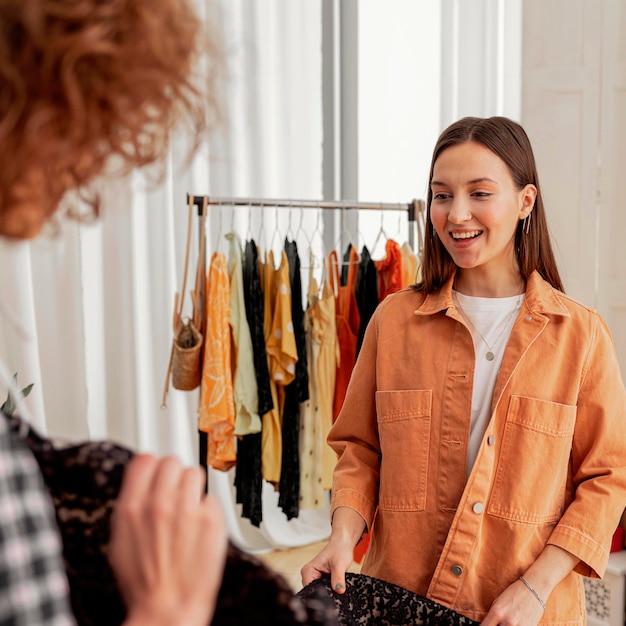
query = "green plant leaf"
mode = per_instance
[
  {"x": 8, "y": 406},
  {"x": 27, "y": 389}
]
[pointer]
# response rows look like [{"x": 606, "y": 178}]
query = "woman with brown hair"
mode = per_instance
[{"x": 483, "y": 436}]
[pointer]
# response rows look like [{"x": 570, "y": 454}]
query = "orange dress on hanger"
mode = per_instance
[
  {"x": 347, "y": 320},
  {"x": 216, "y": 411}
]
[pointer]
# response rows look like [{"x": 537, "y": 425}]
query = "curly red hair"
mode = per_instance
[{"x": 82, "y": 81}]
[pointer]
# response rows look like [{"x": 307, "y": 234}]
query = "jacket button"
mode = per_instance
[
  {"x": 478, "y": 507},
  {"x": 457, "y": 570},
  {"x": 529, "y": 318},
  {"x": 491, "y": 440}
]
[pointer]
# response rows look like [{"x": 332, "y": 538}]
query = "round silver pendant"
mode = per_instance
[{"x": 489, "y": 356}]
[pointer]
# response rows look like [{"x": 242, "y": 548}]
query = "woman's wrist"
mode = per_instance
[
  {"x": 348, "y": 526},
  {"x": 552, "y": 566},
  {"x": 534, "y": 592}
]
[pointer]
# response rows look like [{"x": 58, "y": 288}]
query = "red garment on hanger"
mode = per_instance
[
  {"x": 389, "y": 270},
  {"x": 348, "y": 320}
]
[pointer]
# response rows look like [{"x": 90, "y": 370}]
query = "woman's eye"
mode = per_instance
[
  {"x": 441, "y": 196},
  {"x": 482, "y": 194}
]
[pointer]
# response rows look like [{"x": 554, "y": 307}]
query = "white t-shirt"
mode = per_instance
[{"x": 490, "y": 321}]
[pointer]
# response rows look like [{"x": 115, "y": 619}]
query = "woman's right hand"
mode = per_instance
[
  {"x": 168, "y": 544},
  {"x": 334, "y": 559},
  {"x": 337, "y": 556}
]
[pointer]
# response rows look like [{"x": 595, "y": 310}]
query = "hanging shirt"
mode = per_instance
[
  {"x": 216, "y": 412},
  {"x": 255, "y": 314},
  {"x": 245, "y": 391},
  {"x": 282, "y": 354},
  {"x": 327, "y": 363},
  {"x": 389, "y": 270},
  {"x": 366, "y": 292},
  {"x": 347, "y": 320},
  {"x": 295, "y": 392},
  {"x": 409, "y": 265},
  {"x": 248, "y": 475},
  {"x": 311, "y": 442}
]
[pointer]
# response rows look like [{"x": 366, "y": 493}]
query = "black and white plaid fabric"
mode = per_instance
[{"x": 33, "y": 584}]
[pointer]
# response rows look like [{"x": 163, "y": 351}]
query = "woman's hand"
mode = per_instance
[
  {"x": 336, "y": 557},
  {"x": 168, "y": 544},
  {"x": 515, "y": 606}
]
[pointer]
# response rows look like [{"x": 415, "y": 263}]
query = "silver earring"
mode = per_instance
[{"x": 526, "y": 223}]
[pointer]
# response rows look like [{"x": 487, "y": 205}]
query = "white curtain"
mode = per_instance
[{"x": 86, "y": 309}]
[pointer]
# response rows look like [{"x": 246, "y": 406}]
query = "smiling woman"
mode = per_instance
[{"x": 466, "y": 388}]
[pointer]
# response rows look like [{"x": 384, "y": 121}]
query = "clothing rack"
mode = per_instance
[
  {"x": 414, "y": 208},
  {"x": 415, "y": 213}
]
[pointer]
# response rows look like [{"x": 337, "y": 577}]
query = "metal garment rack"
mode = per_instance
[
  {"x": 415, "y": 213},
  {"x": 414, "y": 208}
]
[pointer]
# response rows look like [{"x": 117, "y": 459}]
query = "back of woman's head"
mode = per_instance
[
  {"x": 507, "y": 140},
  {"x": 82, "y": 81}
]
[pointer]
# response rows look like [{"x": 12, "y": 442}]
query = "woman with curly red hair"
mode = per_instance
[{"x": 86, "y": 86}]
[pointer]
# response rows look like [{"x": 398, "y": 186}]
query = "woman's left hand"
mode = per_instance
[{"x": 515, "y": 606}]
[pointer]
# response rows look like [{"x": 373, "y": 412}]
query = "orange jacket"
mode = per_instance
[{"x": 551, "y": 467}]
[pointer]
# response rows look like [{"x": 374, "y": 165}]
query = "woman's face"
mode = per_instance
[{"x": 476, "y": 207}]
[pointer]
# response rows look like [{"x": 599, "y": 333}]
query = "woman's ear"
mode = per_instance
[{"x": 527, "y": 196}]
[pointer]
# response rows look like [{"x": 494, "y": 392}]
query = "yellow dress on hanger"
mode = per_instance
[
  {"x": 282, "y": 355},
  {"x": 327, "y": 363}
]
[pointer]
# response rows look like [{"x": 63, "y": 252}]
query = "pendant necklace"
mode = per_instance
[{"x": 490, "y": 348}]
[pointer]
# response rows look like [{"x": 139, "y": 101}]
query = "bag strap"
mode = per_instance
[
  {"x": 179, "y": 301},
  {"x": 180, "y": 297}
]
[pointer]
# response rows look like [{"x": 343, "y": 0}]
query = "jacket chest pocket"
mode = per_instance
[
  {"x": 404, "y": 432},
  {"x": 532, "y": 471}
]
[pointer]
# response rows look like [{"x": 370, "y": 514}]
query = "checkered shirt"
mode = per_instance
[{"x": 33, "y": 586}]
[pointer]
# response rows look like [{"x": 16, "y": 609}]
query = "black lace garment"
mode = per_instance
[{"x": 369, "y": 600}]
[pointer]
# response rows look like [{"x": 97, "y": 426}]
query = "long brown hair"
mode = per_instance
[
  {"x": 508, "y": 140},
  {"x": 86, "y": 84}
]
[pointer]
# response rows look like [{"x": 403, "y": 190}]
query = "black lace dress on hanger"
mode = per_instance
[{"x": 84, "y": 481}]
